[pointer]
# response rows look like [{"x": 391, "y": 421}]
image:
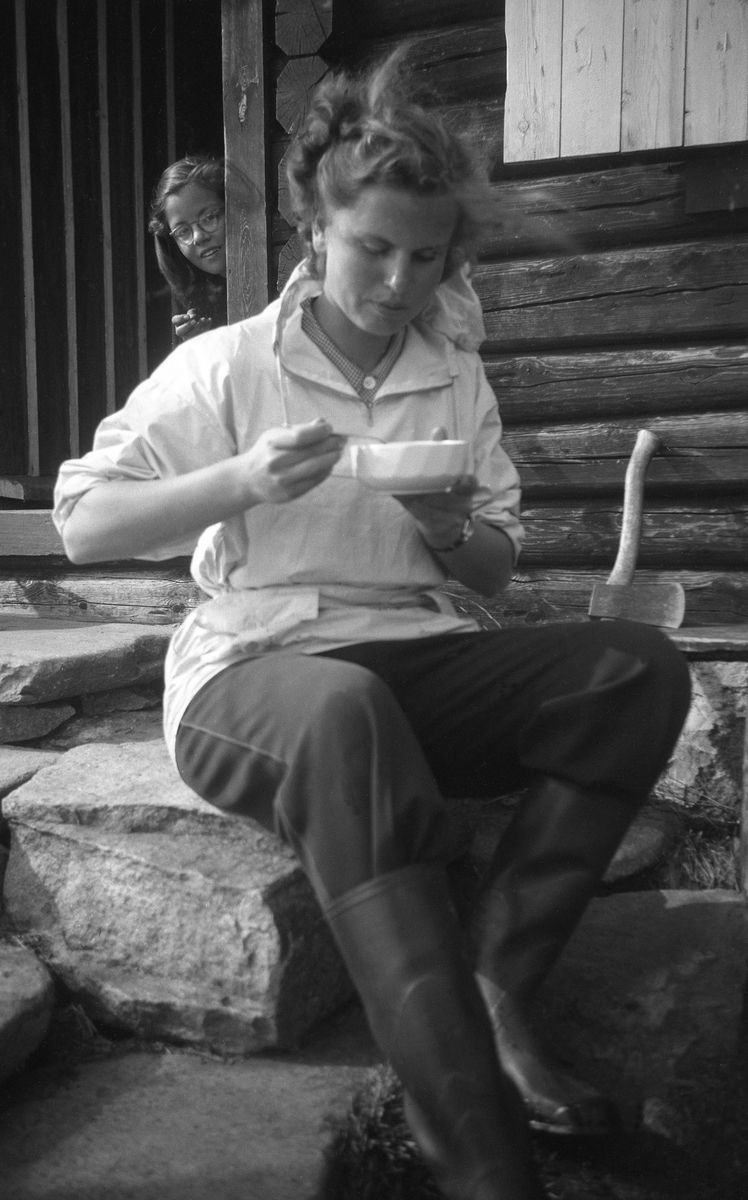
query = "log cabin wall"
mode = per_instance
[
  {"x": 96, "y": 99},
  {"x": 611, "y": 303}
]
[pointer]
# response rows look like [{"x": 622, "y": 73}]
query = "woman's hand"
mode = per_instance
[
  {"x": 188, "y": 324},
  {"x": 440, "y": 516},
  {"x": 285, "y": 463}
]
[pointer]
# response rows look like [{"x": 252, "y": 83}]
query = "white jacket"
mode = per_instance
[{"x": 341, "y": 564}]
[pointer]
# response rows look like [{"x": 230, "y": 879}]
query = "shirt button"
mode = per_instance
[{"x": 370, "y": 383}]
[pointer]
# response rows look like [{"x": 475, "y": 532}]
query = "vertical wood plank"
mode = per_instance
[
  {"x": 532, "y": 115},
  {"x": 106, "y": 204},
  {"x": 591, "y": 77},
  {"x": 654, "y": 73},
  {"x": 171, "y": 117},
  {"x": 743, "y": 859},
  {"x": 244, "y": 120},
  {"x": 69, "y": 219},
  {"x": 29, "y": 298},
  {"x": 12, "y": 357},
  {"x": 716, "y": 72},
  {"x": 141, "y": 329}
]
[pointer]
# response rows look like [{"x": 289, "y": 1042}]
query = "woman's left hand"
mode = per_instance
[{"x": 440, "y": 516}]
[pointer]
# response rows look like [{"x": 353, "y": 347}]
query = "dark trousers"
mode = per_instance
[{"x": 349, "y": 755}]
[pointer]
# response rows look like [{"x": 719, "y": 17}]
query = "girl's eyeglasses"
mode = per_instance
[{"x": 208, "y": 222}]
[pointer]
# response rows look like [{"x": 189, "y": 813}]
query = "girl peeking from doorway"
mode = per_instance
[{"x": 188, "y": 223}]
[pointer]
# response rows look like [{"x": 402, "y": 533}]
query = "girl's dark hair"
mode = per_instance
[
  {"x": 369, "y": 129},
  {"x": 190, "y": 286}
]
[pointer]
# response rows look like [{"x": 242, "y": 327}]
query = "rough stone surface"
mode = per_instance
[
  {"x": 118, "y": 727},
  {"x": 162, "y": 914},
  {"x": 648, "y": 996},
  {"x": 23, "y": 724},
  {"x": 26, "y": 1001},
  {"x": 52, "y": 660},
  {"x": 101, "y": 704},
  {"x": 18, "y": 764},
  {"x": 175, "y": 1127},
  {"x": 707, "y": 762}
]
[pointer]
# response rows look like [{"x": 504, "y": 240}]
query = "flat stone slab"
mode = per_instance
[
  {"x": 175, "y": 1125},
  {"x": 54, "y": 660},
  {"x": 24, "y": 723},
  {"x": 18, "y": 764},
  {"x": 26, "y": 1002},
  {"x": 163, "y": 915},
  {"x": 117, "y": 727},
  {"x": 648, "y": 996},
  {"x": 102, "y": 704}
]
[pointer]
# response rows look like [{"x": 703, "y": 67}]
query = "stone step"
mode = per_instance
[
  {"x": 43, "y": 661},
  {"x": 26, "y": 1002},
  {"x": 166, "y": 917}
]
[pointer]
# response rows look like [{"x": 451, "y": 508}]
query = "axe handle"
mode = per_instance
[{"x": 633, "y": 503}]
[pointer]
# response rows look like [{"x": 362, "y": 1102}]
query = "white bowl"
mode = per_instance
[{"x": 410, "y": 466}]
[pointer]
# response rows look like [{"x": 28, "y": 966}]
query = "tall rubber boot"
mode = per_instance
[
  {"x": 403, "y": 947},
  {"x": 547, "y": 868}
]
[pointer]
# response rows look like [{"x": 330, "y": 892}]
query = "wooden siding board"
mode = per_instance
[
  {"x": 654, "y": 72},
  {"x": 71, "y": 321},
  {"x": 591, "y": 68},
  {"x": 48, "y": 217},
  {"x": 110, "y": 386},
  {"x": 138, "y": 194},
  {"x": 155, "y": 159},
  {"x": 716, "y": 72},
  {"x": 84, "y": 127},
  {"x": 247, "y": 248},
  {"x": 27, "y": 242},
  {"x": 127, "y": 239},
  {"x": 12, "y": 358},
  {"x": 532, "y": 118}
]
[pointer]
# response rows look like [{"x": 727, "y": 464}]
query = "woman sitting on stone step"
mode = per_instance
[{"x": 328, "y": 689}]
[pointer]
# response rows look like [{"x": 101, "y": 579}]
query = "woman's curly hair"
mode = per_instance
[
  {"x": 191, "y": 287},
  {"x": 369, "y": 129}
]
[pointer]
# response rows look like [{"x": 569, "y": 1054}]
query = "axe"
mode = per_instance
[{"x": 651, "y": 603}]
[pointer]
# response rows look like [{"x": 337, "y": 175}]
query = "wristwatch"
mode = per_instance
[{"x": 467, "y": 531}]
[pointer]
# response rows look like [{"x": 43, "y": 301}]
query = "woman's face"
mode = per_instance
[
  {"x": 207, "y": 251},
  {"x": 384, "y": 256}
]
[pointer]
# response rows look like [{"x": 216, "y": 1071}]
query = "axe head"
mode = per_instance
[{"x": 661, "y": 604}]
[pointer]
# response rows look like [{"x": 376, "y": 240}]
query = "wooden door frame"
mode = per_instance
[{"x": 244, "y": 125}]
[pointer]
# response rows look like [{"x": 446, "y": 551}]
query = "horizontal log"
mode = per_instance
[
  {"x": 457, "y": 64},
  {"x": 30, "y": 489},
  {"x": 701, "y": 535},
  {"x": 706, "y": 454},
  {"x": 687, "y": 290},
  {"x": 679, "y": 434},
  {"x": 706, "y": 474},
  {"x": 156, "y": 595},
  {"x": 539, "y": 596},
  {"x": 28, "y": 532},
  {"x": 636, "y": 382},
  {"x": 377, "y": 18},
  {"x": 630, "y": 204}
]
